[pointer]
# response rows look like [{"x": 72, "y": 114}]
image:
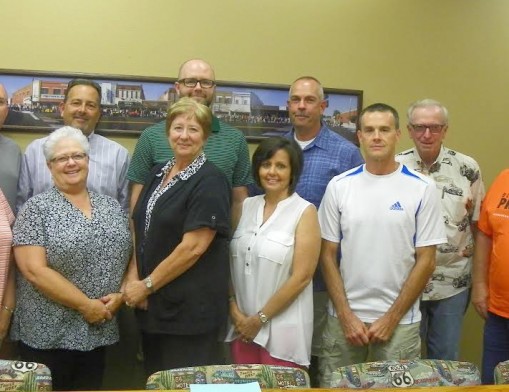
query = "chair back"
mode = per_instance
[
  {"x": 24, "y": 376},
  {"x": 501, "y": 373},
  {"x": 267, "y": 376},
  {"x": 406, "y": 373}
]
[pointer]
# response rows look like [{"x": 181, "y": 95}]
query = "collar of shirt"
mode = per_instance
[{"x": 320, "y": 141}]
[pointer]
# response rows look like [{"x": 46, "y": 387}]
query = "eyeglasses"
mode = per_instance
[
  {"x": 192, "y": 82},
  {"x": 65, "y": 158},
  {"x": 433, "y": 128}
]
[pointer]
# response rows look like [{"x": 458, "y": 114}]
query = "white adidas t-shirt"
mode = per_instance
[{"x": 379, "y": 220}]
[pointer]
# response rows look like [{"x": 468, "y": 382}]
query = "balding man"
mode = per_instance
[
  {"x": 326, "y": 154},
  {"x": 10, "y": 156},
  {"x": 226, "y": 147}
]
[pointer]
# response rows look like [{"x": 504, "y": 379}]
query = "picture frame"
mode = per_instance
[{"x": 132, "y": 103}]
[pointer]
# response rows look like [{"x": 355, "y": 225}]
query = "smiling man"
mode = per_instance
[
  {"x": 226, "y": 147},
  {"x": 326, "y": 154},
  {"x": 461, "y": 190},
  {"x": 386, "y": 219},
  {"x": 108, "y": 160}
]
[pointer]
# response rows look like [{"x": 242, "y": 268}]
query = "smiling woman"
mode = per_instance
[
  {"x": 69, "y": 285},
  {"x": 274, "y": 255},
  {"x": 178, "y": 277}
]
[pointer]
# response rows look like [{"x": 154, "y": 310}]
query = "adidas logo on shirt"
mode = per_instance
[{"x": 396, "y": 207}]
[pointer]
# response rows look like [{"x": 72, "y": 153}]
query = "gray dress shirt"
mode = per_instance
[{"x": 10, "y": 161}]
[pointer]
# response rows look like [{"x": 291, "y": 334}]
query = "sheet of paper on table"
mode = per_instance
[{"x": 247, "y": 387}]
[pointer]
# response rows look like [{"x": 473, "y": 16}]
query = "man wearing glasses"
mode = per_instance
[
  {"x": 226, "y": 147},
  {"x": 459, "y": 184}
]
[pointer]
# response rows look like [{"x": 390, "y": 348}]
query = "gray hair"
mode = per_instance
[
  {"x": 426, "y": 103},
  {"x": 66, "y": 132},
  {"x": 320, "y": 91}
]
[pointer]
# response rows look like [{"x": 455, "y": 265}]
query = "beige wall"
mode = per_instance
[{"x": 395, "y": 50}]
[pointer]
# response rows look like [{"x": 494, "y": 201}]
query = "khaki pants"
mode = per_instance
[
  {"x": 337, "y": 352},
  {"x": 320, "y": 300}
]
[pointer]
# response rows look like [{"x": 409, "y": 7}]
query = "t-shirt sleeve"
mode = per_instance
[
  {"x": 329, "y": 214},
  {"x": 6, "y": 209},
  {"x": 491, "y": 200},
  {"x": 430, "y": 226},
  {"x": 242, "y": 171},
  {"x": 29, "y": 226},
  {"x": 142, "y": 160},
  {"x": 478, "y": 193},
  {"x": 209, "y": 205}
]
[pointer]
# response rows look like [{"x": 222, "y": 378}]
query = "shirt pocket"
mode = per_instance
[{"x": 276, "y": 246}]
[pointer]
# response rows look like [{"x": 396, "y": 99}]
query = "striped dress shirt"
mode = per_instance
[
  {"x": 107, "y": 175},
  {"x": 6, "y": 222}
]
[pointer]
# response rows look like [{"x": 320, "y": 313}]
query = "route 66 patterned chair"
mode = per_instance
[
  {"x": 406, "y": 373},
  {"x": 24, "y": 376},
  {"x": 502, "y": 373},
  {"x": 267, "y": 376}
]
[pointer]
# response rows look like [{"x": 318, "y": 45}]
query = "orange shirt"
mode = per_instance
[
  {"x": 494, "y": 222},
  {"x": 6, "y": 221}
]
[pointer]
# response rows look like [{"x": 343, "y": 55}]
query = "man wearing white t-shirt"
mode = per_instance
[{"x": 387, "y": 220}]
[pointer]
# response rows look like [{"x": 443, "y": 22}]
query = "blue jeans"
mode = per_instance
[
  {"x": 441, "y": 326},
  {"x": 495, "y": 345}
]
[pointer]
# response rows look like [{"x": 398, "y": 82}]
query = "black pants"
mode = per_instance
[
  {"x": 162, "y": 352},
  {"x": 71, "y": 370}
]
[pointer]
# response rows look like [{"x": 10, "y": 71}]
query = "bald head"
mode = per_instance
[
  {"x": 195, "y": 65},
  {"x": 3, "y": 105},
  {"x": 194, "y": 71}
]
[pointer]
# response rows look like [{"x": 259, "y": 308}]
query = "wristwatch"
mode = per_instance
[
  {"x": 148, "y": 284},
  {"x": 263, "y": 317}
]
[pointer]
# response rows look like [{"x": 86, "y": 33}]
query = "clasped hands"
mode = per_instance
[
  {"x": 247, "y": 327},
  {"x": 135, "y": 294},
  {"x": 99, "y": 310},
  {"x": 359, "y": 334}
]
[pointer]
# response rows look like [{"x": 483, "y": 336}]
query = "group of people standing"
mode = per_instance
[{"x": 224, "y": 250}]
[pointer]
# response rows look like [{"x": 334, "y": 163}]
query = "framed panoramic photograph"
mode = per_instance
[{"x": 132, "y": 103}]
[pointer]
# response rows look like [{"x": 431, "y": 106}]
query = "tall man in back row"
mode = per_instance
[
  {"x": 386, "y": 218},
  {"x": 226, "y": 146},
  {"x": 461, "y": 190},
  {"x": 326, "y": 154}
]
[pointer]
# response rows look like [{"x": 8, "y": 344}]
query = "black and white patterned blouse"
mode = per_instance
[
  {"x": 91, "y": 253},
  {"x": 182, "y": 175}
]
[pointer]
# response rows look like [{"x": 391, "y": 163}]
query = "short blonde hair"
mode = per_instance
[{"x": 186, "y": 105}]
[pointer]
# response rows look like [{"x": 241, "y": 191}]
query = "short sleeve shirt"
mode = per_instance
[
  {"x": 6, "y": 222},
  {"x": 91, "y": 253},
  {"x": 494, "y": 222},
  {"x": 196, "y": 301},
  {"x": 460, "y": 188}
]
